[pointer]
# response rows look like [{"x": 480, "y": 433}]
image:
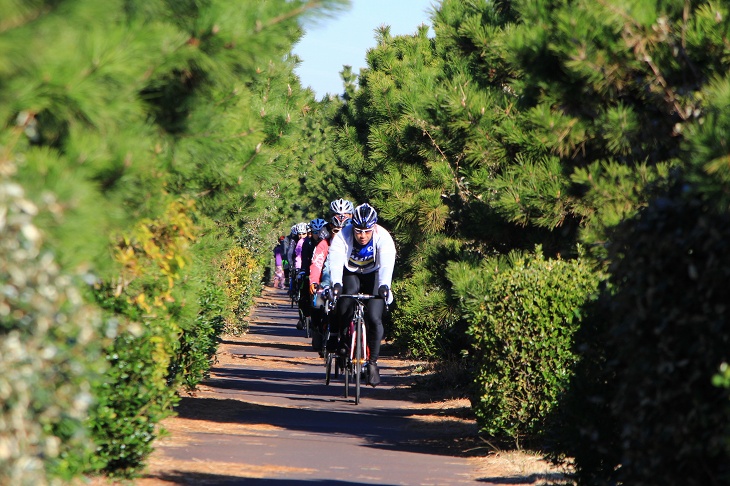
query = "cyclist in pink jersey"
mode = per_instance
[{"x": 319, "y": 273}]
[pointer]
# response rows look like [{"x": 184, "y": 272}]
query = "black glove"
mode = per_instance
[
  {"x": 337, "y": 289},
  {"x": 384, "y": 291}
]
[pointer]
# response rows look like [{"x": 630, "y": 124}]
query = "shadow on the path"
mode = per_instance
[
  {"x": 384, "y": 428},
  {"x": 299, "y": 382},
  {"x": 551, "y": 478},
  {"x": 304, "y": 346},
  {"x": 185, "y": 477}
]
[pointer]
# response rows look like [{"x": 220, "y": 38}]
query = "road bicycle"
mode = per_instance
[
  {"x": 357, "y": 353},
  {"x": 329, "y": 346},
  {"x": 304, "y": 322},
  {"x": 294, "y": 290}
]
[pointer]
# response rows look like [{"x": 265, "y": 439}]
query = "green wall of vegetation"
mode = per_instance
[{"x": 555, "y": 174}]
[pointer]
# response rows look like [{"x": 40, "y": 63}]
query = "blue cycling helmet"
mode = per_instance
[
  {"x": 364, "y": 216},
  {"x": 317, "y": 224}
]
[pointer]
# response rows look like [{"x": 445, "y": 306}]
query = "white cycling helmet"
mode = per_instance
[
  {"x": 301, "y": 228},
  {"x": 341, "y": 206},
  {"x": 317, "y": 224},
  {"x": 294, "y": 229}
]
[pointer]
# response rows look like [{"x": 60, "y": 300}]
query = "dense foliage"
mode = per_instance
[
  {"x": 166, "y": 143},
  {"x": 142, "y": 131},
  {"x": 658, "y": 335},
  {"x": 551, "y": 123}
]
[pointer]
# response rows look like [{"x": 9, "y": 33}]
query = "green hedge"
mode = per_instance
[
  {"x": 646, "y": 408},
  {"x": 148, "y": 300},
  {"x": 523, "y": 334}
]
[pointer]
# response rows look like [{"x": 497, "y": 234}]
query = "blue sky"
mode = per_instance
[{"x": 330, "y": 43}]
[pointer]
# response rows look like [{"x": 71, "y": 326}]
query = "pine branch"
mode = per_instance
[
  {"x": 638, "y": 43},
  {"x": 22, "y": 19},
  {"x": 312, "y": 4},
  {"x": 458, "y": 182}
]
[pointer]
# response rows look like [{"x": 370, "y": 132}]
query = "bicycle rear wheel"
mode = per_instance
[
  {"x": 339, "y": 366},
  {"x": 328, "y": 366},
  {"x": 347, "y": 370}
]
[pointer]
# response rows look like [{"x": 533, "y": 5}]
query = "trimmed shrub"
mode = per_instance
[
  {"x": 199, "y": 341},
  {"x": 147, "y": 300},
  {"x": 523, "y": 334},
  {"x": 241, "y": 273}
]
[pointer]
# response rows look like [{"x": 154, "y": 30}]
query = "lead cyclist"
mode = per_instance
[{"x": 362, "y": 258}]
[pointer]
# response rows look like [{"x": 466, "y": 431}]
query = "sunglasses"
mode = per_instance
[{"x": 362, "y": 231}]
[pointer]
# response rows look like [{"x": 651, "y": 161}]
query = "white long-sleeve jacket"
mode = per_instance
[{"x": 383, "y": 254}]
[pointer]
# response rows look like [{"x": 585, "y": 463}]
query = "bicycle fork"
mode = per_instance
[{"x": 358, "y": 334}]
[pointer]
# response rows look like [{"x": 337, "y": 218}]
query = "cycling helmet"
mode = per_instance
[
  {"x": 294, "y": 229},
  {"x": 364, "y": 216},
  {"x": 340, "y": 206},
  {"x": 324, "y": 233},
  {"x": 339, "y": 221},
  {"x": 301, "y": 228},
  {"x": 317, "y": 224}
]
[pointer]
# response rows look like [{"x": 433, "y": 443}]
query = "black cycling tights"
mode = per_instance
[{"x": 352, "y": 283}]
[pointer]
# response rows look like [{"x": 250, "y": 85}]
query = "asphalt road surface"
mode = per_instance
[{"x": 265, "y": 416}]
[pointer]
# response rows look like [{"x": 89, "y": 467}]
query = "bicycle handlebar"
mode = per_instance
[
  {"x": 361, "y": 297},
  {"x": 358, "y": 296}
]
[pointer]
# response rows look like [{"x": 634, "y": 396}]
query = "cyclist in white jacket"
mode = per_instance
[{"x": 362, "y": 257}]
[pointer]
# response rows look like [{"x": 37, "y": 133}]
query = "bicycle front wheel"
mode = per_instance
[{"x": 358, "y": 360}]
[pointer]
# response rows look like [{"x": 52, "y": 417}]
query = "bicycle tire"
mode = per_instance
[
  {"x": 328, "y": 367},
  {"x": 358, "y": 360},
  {"x": 308, "y": 327},
  {"x": 346, "y": 372}
]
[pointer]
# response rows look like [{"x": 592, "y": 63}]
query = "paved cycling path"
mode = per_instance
[{"x": 265, "y": 416}]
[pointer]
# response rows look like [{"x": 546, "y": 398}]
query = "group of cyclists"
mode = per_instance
[{"x": 348, "y": 253}]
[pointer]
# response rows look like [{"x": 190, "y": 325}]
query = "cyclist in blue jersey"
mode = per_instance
[
  {"x": 308, "y": 246},
  {"x": 362, "y": 258}
]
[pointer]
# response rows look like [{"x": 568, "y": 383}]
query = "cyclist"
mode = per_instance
[
  {"x": 292, "y": 241},
  {"x": 308, "y": 245},
  {"x": 319, "y": 278},
  {"x": 319, "y": 269},
  {"x": 296, "y": 284},
  {"x": 278, "y": 264},
  {"x": 362, "y": 257},
  {"x": 286, "y": 245}
]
